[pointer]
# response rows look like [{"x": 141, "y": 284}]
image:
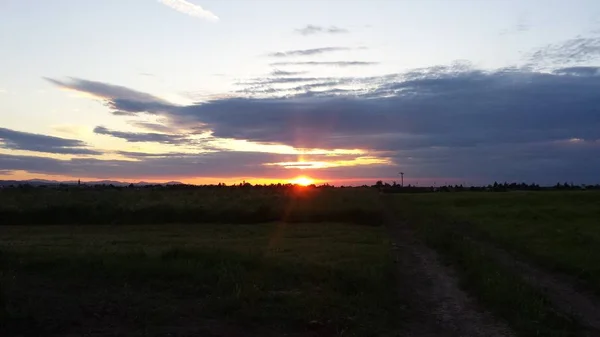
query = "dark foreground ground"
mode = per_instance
[
  {"x": 197, "y": 280},
  {"x": 343, "y": 262}
]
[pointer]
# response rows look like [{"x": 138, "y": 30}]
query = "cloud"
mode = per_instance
[
  {"x": 464, "y": 109},
  {"x": 443, "y": 121},
  {"x": 137, "y": 137},
  {"x": 334, "y": 85},
  {"x": 542, "y": 162},
  {"x": 577, "y": 50},
  {"x": 224, "y": 164},
  {"x": 309, "y": 52},
  {"x": 278, "y": 72},
  {"x": 522, "y": 25},
  {"x": 279, "y": 80},
  {"x": 123, "y": 101},
  {"x": 104, "y": 90},
  {"x": 313, "y": 29},
  {"x": 325, "y": 63},
  {"x": 153, "y": 126},
  {"x": 412, "y": 109},
  {"x": 18, "y": 140},
  {"x": 578, "y": 71},
  {"x": 471, "y": 113},
  {"x": 141, "y": 155},
  {"x": 190, "y": 9}
]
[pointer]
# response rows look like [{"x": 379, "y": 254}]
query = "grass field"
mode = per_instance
[
  {"x": 84, "y": 206},
  {"x": 213, "y": 280},
  {"x": 275, "y": 262},
  {"x": 559, "y": 231}
]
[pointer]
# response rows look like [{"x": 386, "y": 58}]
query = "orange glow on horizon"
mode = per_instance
[
  {"x": 23, "y": 175},
  {"x": 347, "y": 181},
  {"x": 302, "y": 181}
]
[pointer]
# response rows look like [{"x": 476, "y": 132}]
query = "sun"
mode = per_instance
[{"x": 302, "y": 181}]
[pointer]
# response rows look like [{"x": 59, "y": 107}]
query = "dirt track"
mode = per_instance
[
  {"x": 436, "y": 305},
  {"x": 560, "y": 289}
]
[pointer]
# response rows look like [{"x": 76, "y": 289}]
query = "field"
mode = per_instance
[
  {"x": 208, "y": 280},
  {"x": 560, "y": 230},
  {"x": 181, "y": 204},
  {"x": 293, "y": 261},
  {"x": 531, "y": 257}
]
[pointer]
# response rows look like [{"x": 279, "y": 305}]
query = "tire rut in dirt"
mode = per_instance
[
  {"x": 436, "y": 305},
  {"x": 562, "y": 290}
]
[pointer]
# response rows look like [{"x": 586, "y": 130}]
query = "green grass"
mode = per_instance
[
  {"x": 221, "y": 271},
  {"x": 558, "y": 230},
  {"x": 86, "y": 206},
  {"x": 212, "y": 280},
  {"x": 497, "y": 287}
]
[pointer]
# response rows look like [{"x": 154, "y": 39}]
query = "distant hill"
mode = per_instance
[{"x": 42, "y": 182}]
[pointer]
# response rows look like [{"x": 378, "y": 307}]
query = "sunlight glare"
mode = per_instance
[{"x": 302, "y": 181}]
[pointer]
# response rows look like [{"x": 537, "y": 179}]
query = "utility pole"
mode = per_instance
[{"x": 401, "y": 179}]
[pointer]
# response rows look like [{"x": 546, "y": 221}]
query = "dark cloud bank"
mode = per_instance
[{"x": 435, "y": 123}]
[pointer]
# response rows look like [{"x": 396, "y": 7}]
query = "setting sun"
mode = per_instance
[{"x": 302, "y": 181}]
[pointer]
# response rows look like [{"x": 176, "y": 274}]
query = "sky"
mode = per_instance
[{"x": 344, "y": 92}]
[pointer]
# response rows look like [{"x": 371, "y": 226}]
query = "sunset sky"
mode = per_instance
[{"x": 345, "y": 92}]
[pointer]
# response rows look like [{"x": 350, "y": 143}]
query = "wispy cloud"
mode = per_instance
[
  {"x": 154, "y": 155},
  {"x": 280, "y": 85},
  {"x": 138, "y": 137},
  {"x": 3, "y": 91},
  {"x": 278, "y": 72},
  {"x": 279, "y": 80},
  {"x": 522, "y": 25},
  {"x": 123, "y": 101},
  {"x": 19, "y": 140},
  {"x": 327, "y": 63},
  {"x": 314, "y": 29},
  {"x": 577, "y": 50},
  {"x": 104, "y": 90},
  {"x": 190, "y": 9},
  {"x": 308, "y": 52},
  {"x": 71, "y": 130},
  {"x": 153, "y": 126}
]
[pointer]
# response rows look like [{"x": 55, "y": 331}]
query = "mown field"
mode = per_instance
[{"x": 557, "y": 231}]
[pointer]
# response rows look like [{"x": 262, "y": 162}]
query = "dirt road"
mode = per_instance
[{"x": 436, "y": 305}]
